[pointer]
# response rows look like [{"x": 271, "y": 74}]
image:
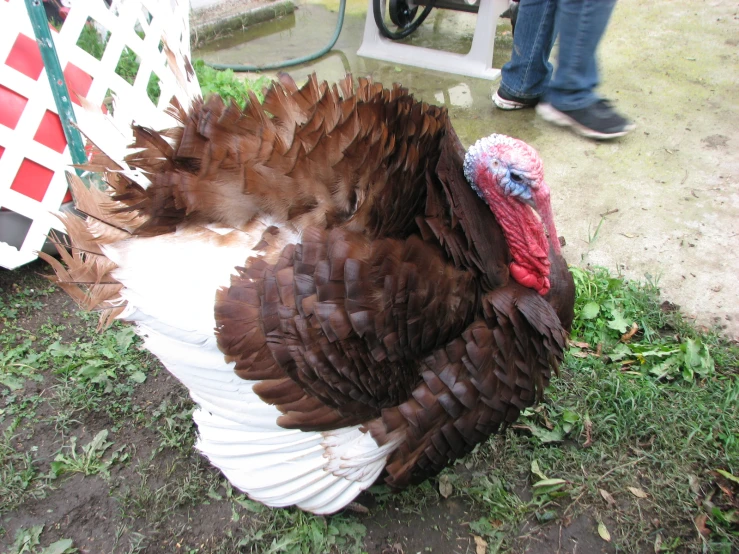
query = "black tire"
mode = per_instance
[
  {"x": 410, "y": 26},
  {"x": 401, "y": 13}
]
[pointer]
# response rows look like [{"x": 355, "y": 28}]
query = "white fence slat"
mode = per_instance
[{"x": 21, "y": 147}]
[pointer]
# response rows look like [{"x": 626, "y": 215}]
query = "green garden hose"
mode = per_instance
[{"x": 294, "y": 61}]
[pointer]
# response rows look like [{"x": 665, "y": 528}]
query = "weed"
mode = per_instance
[
  {"x": 628, "y": 325},
  {"x": 592, "y": 237},
  {"x": 89, "y": 461},
  {"x": 24, "y": 300},
  {"x": 163, "y": 487},
  {"x": 17, "y": 474},
  {"x": 173, "y": 422},
  {"x": 27, "y": 541},
  {"x": 295, "y": 532}
]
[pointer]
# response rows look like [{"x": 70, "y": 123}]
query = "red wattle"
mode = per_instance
[{"x": 529, "y": 279}]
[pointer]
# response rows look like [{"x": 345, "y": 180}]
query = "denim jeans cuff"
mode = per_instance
[
  {"x": 523, "y": 95},
  {"x": 579, "y": 104}
]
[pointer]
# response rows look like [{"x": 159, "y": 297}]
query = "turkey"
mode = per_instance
[{"x": 348, "y": 296}]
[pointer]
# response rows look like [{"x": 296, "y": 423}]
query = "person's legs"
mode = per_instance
[
  {"x": 570, "y": 99},
  {"x": 580, "y": 24},
  {"x": 525, "y": 77}
]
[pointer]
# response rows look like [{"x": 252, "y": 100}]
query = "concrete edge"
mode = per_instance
[{"x": 210, "y": 29}]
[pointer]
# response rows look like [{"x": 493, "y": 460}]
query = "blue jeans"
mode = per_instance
[{"x": 580, "y": 25}]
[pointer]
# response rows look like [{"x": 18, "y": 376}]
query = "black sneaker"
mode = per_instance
[
  {"x": 597, "y": 121},
  {"x": 505, "y": 101}
]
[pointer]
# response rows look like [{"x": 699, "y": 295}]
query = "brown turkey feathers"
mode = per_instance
[{"x": 347, "y": 295}]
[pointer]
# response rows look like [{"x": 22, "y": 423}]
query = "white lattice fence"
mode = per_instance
[{"x": 33, "y": 150}]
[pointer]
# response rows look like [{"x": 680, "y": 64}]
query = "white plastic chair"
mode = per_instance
[{"x": 478, "y": 62}]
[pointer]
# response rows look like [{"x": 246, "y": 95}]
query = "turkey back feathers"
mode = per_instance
[{"x": 315, "y": 155}]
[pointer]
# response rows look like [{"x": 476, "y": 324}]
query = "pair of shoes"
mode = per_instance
[
  {"x": 505, "y": 101},
  {"x": 597, "y": 121}
]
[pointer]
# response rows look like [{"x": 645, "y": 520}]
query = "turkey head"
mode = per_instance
[{"x": 508, "y": 175}]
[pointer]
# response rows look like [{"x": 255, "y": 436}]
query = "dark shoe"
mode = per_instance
[
  {"x": 597, "y": 121},
  {"x": 505, "y": 101}
]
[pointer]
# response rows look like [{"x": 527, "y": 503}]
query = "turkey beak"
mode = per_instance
[
  {"x": 530, "y": 201},
  {"x": 543, "y": 207}
]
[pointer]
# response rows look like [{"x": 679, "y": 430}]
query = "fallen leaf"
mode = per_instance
[
  {"x": 658, "y": 544},
  {"x": 579, "y": 344},
  {"x": 588, "y": 430},
  {"x": 548, "y": 483},
  {"x": 579, "y": 354},
  {"x": 603, "y": 532},
  {"x": 700, "y": 525},
  {"x": 607, "y": 497},
  {"x": 481, "y": 547},
  {"x": 445, "y": 487},
  {"x": 536, "y": 471},
  {"x": 357, "y": 508},
  {"x": 626, "y": 337},
  {"x": 637, "y": 492},
  {"x": 694, "y": 484},
  {"x": 726, "y": 491}
]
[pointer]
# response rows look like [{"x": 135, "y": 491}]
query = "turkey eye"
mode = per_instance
[{"x": 516, "y": 177}]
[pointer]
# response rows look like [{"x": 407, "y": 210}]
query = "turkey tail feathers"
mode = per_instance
[{"x": 238, "y": 431}]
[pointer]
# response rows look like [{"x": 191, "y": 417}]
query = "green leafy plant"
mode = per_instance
[
  {"x": 17, "y": 365},
  {"x": 295, "y": 532},
  {"x": 632, "y": 330},
  {"x": 128, "y": 65},
  {"x": 227, "y": 85},
  {"x": 548, "y": 425},
  {"x": 105, "y": 362},
  {"x": 89, "y": 461},
  {"x": 27, "y": 541},
  {"x": 17, "y": 471},
  {"x": 689, "y": 358}
]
